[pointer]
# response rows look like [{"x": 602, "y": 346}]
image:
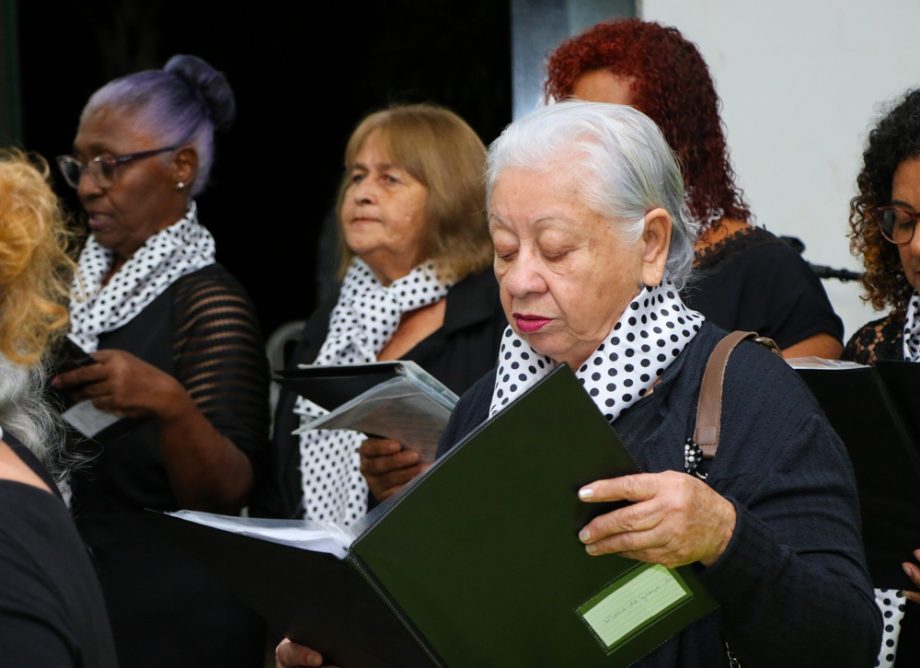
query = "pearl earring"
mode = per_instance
[{"x": 180, "y": 185}]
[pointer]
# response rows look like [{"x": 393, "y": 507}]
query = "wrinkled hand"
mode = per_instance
[
  {"x": 387, "y": 466},
  {"x": 289, "y": 654},
  {"x": 121, "y": 383},
  {"x": 676, "y": 519},
  {"x": 913, "y": 572}
]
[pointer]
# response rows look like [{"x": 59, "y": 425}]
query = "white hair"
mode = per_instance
[
  {"x": 627, "y": 166},
  {"x": 24, "y": 412}
]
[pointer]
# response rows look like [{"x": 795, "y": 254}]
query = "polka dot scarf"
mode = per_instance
[
  {"x": 912, "y": 330},
  {"x": 893, "y": 604},
  {"x": 362, "y": 322},
  {"x": 651, "y": 333},
  {"x": 891, "y": 601},
  {"x": 180, "y": 249}
]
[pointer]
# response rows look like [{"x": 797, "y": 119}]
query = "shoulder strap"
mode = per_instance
[{"x": 709, "y": 408}]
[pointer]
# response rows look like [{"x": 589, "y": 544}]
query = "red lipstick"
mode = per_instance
[{"x": 528, "y": 324}]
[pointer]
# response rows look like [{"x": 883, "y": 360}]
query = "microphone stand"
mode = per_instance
[{"x": 823, "y": 271}]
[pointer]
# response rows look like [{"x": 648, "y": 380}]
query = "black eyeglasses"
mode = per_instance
[{"x": 103, "y": 168}]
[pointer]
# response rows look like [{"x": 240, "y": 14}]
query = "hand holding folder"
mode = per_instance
[
  {"x": 396, "y": 399},
  {"x": 475, "y": 560}
]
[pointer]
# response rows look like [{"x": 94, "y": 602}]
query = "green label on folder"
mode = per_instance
[{"x": 632, "y": 602}]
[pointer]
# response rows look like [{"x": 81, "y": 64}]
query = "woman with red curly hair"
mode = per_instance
[
  {"x": 746, "y": 278},
  {"x": 883, "y": 221}
]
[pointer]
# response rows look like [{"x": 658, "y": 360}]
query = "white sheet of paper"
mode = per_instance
[
  {"x": 87, "y": 419},
  {"x": 305, "y": 534}
]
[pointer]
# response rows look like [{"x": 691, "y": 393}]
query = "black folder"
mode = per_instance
[
  {"x": 477, "y": 562},
  {"x": 876, "y": 412},
  {"x": 396, "y": 399},
  {"x": 332, "y": 386}
]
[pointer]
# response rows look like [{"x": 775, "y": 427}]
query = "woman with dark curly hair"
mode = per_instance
[
  {"x": 883, "y": 221},
  {"x": 746, "y": 278}
]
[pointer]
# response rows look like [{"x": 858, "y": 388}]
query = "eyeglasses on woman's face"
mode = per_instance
[
  {"x": 897, "y": 223},
  {"x": 103, "y": 169}
]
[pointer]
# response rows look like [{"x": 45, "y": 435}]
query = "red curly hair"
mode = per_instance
[{"x": 671, "y": 84}]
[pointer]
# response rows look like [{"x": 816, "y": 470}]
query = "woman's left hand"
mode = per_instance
[
  {"x": 121, "y": 383},
  {"x": 913, "y": 572},
  {"x": 675, "y": 519}
]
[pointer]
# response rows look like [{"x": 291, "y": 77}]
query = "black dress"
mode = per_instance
[
  {"x": 166, "y": 609},
  {"x": 457, "y": 354},
  {"x": 755, "y": 282},
  {"x": 51, "y": 608},
  {"x": 883, "y": 339}
]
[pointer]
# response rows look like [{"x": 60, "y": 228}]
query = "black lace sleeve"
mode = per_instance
[
  {"x": 877, "y": 340},
  {"x": 220, "y": 359}
]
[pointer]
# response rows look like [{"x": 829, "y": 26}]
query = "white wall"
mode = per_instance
[{"x": 801, "y": 82}]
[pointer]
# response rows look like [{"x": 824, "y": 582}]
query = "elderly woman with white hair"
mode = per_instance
[{"x": 592, "y": 242}]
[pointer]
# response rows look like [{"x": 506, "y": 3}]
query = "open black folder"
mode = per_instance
[
  {"x": 876, "y": 412},
  {"x": 395, "y": 399},
  {"x": 477, "y": 563}
]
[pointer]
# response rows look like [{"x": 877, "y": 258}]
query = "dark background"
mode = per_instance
[{"x": 304, "y": 74}]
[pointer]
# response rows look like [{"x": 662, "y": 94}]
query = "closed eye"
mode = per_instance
[{"x": 556, "y": 254}]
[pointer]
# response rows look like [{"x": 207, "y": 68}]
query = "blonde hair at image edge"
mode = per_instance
[{"x": 35, "y": 268}]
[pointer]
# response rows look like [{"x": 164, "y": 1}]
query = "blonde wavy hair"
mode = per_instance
[
  {"x": 35, "y": 267},
  {"x": 35, "y": 271}
]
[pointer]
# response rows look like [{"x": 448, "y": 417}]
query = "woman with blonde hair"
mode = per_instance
[
  {"x": 416, "y": 285},
  {"x": 51, "y": 608}
]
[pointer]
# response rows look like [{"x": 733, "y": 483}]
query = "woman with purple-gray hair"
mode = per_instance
[{"x": 173, "y": 408}]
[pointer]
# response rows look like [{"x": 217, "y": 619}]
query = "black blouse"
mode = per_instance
[
  {"x": 202, "y": 330},
  {"x": 51, "y": 608},
  {"x": 753, "y": 281},
  {"x": 166, "y": 609},
  {"x": 881, "y": 339}
]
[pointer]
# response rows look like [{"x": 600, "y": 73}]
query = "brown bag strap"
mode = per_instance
[{"x": 709, "y": 408}]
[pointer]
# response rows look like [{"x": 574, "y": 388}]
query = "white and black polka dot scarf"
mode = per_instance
[
  {"x": 364, "y": 319},
  {"x": 912, "y": 330},
  {"x": 180, "y": 249},
  {"x": 651, "y": 333},
  {"x": 891, "y": 601},
  {"x": 893, "y": 605}
]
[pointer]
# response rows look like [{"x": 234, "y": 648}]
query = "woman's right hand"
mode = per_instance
[
  {"x": 122, "y": 384},
  {"x": 289, "y": 654},
  {"x": 387, "y": 466},
  {"x": 913, "y": 572}
]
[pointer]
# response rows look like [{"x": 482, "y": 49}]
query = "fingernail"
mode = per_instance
[
  {"x": 584, "y": 535},
  {"x": 585, "y": 493},
  {"x": 591, "y": 549},
  {"x": 55, "y": 383},
  {"x": 314, "y": 660},
  {"x": 906, "y": 569}
]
